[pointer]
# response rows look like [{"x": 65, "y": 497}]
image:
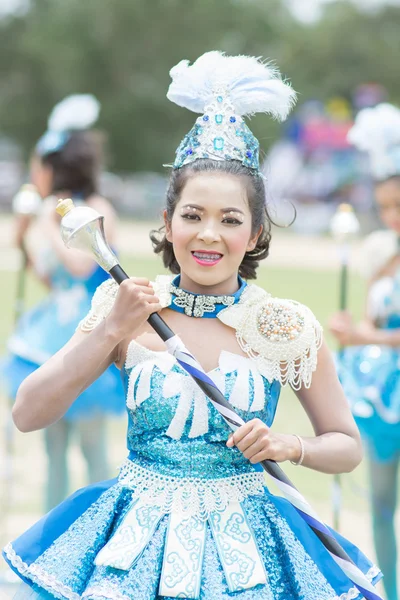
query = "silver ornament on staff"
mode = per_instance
[
  {"x": 344, "y": 227},
  {"x": 82, "y": 228}
]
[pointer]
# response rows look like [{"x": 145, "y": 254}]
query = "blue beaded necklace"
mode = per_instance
[{"x": 201, "y": 305}]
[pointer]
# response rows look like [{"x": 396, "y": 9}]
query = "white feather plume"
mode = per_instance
[
  {"x": 79, "y": 111},
  {"x": 252, "y": 86},
  {"x": 376, "y": 129}
]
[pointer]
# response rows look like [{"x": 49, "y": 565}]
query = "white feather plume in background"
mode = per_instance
[
  {"x": 79, "y": 111},
  {"x": 252, "y": 86},
  {"x": 376, "y": 129},
  {"x": 377, "y": 132}
]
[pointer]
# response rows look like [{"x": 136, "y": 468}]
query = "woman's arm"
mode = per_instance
[
  {"x": 336, "y": 447},
  {"x": 349, "y": 334},
  {"x": 46, "y": 394}
]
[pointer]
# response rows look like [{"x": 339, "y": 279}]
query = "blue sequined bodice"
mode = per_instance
[{"x": 174, "y": 428}]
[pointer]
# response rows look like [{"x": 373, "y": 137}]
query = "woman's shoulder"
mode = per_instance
[
  {"x": 282, "y": 334},
  {"x": 104, "y": 298},
  {"x": 102, "y": 303}
]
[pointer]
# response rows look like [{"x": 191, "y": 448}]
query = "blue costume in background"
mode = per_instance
[
  {"x": 41, "y": 332},
  {"x": 47, "y": 327},
  {"x": 187, "y": 517},
  {"x": 370, "y": 376}
]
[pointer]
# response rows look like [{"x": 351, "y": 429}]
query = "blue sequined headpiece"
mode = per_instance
[
  {"x": 223, "y": 90},
  {"x": 219, "y": 134}
]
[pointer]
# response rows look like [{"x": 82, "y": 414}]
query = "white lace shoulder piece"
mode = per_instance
[
  {"x": 282, "y": 336},
  {"x": 102, "y": 303},
  {"x": 161, "y": 287}
]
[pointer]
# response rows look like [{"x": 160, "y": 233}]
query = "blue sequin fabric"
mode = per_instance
[
  {"x": 370, "y": 376},
  {"x": 59, "y": 556}
]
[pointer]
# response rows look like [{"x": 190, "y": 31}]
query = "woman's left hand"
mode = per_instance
[{"x": 257, "y": 442}]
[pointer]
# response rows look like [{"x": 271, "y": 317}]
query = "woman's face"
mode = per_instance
[
  {"x": 388, "y": 201},
  {"x": 211, "y": 230},
  {"x": 41, "y": 176}
]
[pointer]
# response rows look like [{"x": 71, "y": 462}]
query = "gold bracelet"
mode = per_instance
[{"x": 300, "y": 461}]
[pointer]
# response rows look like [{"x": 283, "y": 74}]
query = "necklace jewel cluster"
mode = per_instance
[{"x": 195, "y": 305}]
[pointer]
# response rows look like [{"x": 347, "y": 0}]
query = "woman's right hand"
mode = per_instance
[{"x": 134, "y": 303}]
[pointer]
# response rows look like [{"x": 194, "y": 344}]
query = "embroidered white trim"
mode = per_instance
[
  {"x": 49, "y": 583},
  {"x": 192, "y": 496},
  {"x": 37, "y": 575},
  {"x": 102, "y": 303}
]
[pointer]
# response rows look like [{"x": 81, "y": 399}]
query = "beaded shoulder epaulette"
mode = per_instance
[{"x": 281, "y": 336}]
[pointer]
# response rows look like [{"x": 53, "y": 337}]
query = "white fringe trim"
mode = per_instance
[{"x": 190, "y": 495}]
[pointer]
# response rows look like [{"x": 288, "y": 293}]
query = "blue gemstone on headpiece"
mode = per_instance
[
  {"x": 220, "y": 99},
  {"x": 233, "y": 119},
  {"x": 239, "y": 132},
  {"x": 205, "y": 118},
  {"x": 189, "y": 151},
  {"x": 218, "y": 119},
  {"x": 219, "y": 143},
  {"x": 199, "y": 129},
  {"x": 249, "y": 154}
]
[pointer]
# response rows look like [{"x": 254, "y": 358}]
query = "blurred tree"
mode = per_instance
[
  {"x": 345, "y": 48},
  {"x": 122, "y": 51}
]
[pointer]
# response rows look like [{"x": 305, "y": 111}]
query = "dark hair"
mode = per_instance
[
  {"x": 394, "y": 178},
  {"x": 76, "y": 165},
  {"x": 256, "y": 199}
]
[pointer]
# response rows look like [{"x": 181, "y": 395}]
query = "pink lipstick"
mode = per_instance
[{"x": 206, "y": 258}]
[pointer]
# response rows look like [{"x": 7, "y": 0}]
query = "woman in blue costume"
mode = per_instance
[
  {"x": 369, "y": 371},
  {"x": 189, "y": 515},
  {"x": 66, "y": 163}
]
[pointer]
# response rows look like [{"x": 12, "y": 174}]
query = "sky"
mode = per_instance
[{"x": 309, "y": 10}]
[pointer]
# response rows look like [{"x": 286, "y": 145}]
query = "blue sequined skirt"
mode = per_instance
[
  {"x": 370, "y": 376},
  {"x": 55, "y": 558}
]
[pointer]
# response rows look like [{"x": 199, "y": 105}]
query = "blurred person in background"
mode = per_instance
[
  {"x": 189, "y": 515},
  {"x": 65, "y": 163},
  {"x": 370, "y": 371},
  {"x": 313, "y": 165}
]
